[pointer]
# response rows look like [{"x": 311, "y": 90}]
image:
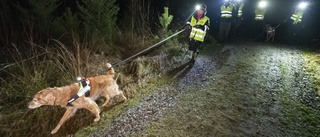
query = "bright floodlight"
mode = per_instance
[
  {"x": 198, "y": 7},
  {"x": 302, "y": 5},
  {"x": 262, "y": 4}
]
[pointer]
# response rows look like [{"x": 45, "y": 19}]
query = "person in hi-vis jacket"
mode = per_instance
[{"x": 199, "y": 26}]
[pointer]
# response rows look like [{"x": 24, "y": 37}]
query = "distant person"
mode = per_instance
[
  {"x": 239, "y": 6},
  {"x": 259, "y": 24},
  {"x": 225, "y": 20},
  {"x": 200, "y": 25},
  {"x": 296, "y": 25},
  {"x": 297, "y": 16}
]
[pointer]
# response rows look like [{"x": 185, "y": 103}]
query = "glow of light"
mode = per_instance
[
  {"x": 78, "y": 78},
  {"x": 239, "y": 0},
  {"x": 262, "y": 4},
  {"x": 302, "y": 5},
  {"x": 198, "y": 7}
]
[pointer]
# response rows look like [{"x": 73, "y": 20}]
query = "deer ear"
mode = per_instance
[{"x": 51, "y": 99}]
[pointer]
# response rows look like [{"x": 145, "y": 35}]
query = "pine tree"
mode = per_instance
[
  {"x": 165, "y": 19},
  {"x": 41, "y": 13},
  {"x": 71, "y": 20},
  {"x": 99, "y": 18}
]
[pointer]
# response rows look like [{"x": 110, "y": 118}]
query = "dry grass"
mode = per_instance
[
  {"x": 59, "y": 66},
  {"x": 313, "y": 67},
  {"x": 24, "y": 78},
  {"x": 130, "y": 43}
]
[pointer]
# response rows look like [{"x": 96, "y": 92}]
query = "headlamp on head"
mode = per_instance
[
  {"x": 202, "y": 7},
  {"x": 262, "y": 4},
  {"x": 198, "y": 7},
  {"x": 302, "y": 5}
]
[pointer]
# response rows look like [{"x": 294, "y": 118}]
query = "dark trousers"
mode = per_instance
[
  {"x": 194, "y": 45},
  {"x": 224, "y": 31},
  {"x": 258, "y": 30},
  {"x": 236, "y": 28},
  {"x": 294, "y": 34}
]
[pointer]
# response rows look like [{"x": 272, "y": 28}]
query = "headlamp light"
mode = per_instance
[
  {"x": 78, "y": 78},
  {"x": 302, "y": 5},
  {"x": 198, "y": 7},
  {"x": 262, "y": 4}
]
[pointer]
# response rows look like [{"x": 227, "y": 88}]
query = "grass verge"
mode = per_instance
[
  {"x": 301, "y": 114},
  {"x": 313, "y": 68},
  {"x": 108, "y": 114}
]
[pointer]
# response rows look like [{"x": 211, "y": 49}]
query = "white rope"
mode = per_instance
[{"x": 135, "y": 55}]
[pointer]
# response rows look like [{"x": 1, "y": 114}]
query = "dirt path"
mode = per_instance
[{"x": 249, "y": 89}]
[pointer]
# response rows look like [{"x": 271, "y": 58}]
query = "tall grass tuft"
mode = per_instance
[{"x": 23, "y": 78}]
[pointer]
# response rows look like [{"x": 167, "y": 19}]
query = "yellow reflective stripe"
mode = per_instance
[
  {"x": 198, "y": 30},
  {"x": 259, "y": 18},
  {"x": 198, "y": 34},
  {"x": 226, "y": 15},
  {"x": 199, "y": 39},
  {"x": 294, "y": 18},
  {"x": 192, "y": 34},
  {"x": 226, "y": 12}
]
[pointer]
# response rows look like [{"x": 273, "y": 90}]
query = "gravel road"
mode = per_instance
[{"x": 255, "y": 78}]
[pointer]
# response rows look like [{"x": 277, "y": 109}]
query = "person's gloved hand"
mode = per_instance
[
  {"x": 188, "y": 25},
  {"x": 206, "y": 27}
]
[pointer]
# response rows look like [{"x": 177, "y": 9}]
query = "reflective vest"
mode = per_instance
[
  {"x": 226, "y": 12},
  {"x": 198, "y": 33},
  {"x": 260, "y": 14},
  {"x": 297, "y": 16},
  {"x": 240, "y": 10},
  {"x": 84, "y": 88}
]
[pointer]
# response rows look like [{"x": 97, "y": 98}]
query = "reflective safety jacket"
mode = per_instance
[
  {"x": 240, "y": 10},
  {"x": 226, "y": 12},
  {"x": 297, "y": 16},
  {"x": 198, "y": 31},
  {"x": 260, "y": 14}
]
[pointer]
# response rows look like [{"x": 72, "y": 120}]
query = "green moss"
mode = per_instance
[
  {"x": 313, "y": 68},
  {"x": 300, "y": 119}
]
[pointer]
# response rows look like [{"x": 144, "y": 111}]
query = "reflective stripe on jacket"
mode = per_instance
[
  {"x": 226, "y": 12},
  {"x": 240, "y": 10},
  {"x": 297, "y": 16},
  {"x": 260, "y": 14},
  {"x": 198, "y": 32}
]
